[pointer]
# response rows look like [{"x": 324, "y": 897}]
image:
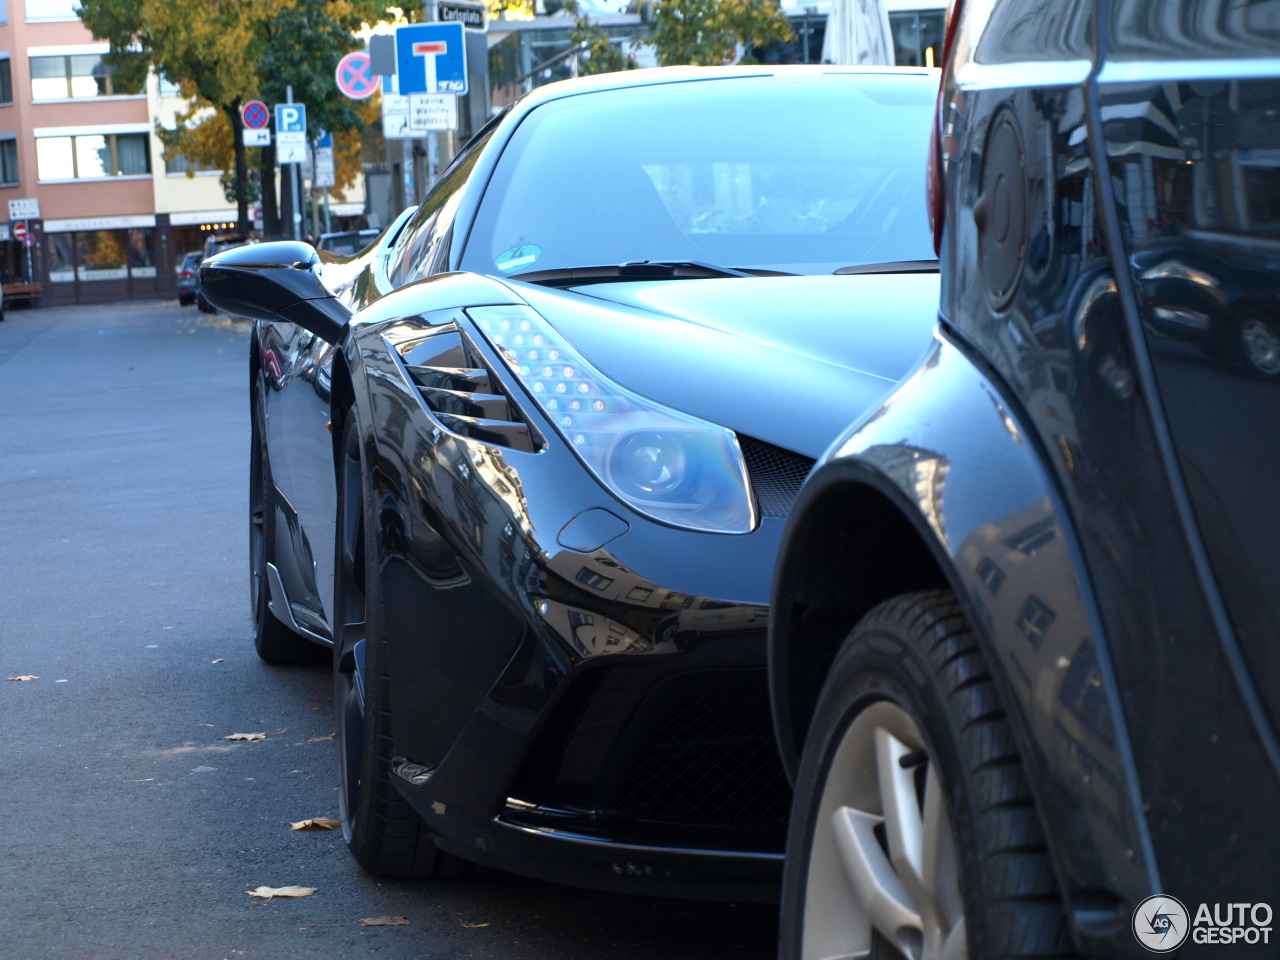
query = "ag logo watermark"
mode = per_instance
[{"x": 1162, "y": 924}]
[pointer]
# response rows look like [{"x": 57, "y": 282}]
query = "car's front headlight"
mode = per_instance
[{"x": 666, "y": 464}]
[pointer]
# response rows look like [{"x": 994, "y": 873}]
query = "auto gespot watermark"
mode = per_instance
[{"x": 1162, "y": 923}]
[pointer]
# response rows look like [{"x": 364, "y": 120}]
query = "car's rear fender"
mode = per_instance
[{"x": 943, "y": 486}]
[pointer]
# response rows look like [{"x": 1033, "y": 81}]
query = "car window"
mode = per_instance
[
  {"x": 420, "y": 240},
  {"x": 805, "y": 175}
]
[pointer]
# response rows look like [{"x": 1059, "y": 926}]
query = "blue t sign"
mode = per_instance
[{"x": 431, "y": 58}]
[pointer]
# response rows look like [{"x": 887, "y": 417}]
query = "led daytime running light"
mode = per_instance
[{"x": 666, "y": 464}]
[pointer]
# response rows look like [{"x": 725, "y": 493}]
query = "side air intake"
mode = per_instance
[{"x": 458, "y": 387}]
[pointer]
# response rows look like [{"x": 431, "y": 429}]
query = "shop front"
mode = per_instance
[{"x": 105, "y": 259}]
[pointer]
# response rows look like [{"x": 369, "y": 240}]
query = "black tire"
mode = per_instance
[
  {"x": 274, "y": 641},
  {"x": 186, "y": 299},
  {"x": 911, "y": 670},
  {"x": 382, "y": 831},
  {"x": 203, "y": 305}
]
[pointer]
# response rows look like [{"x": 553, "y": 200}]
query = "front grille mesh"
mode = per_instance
[
  {"x": 712, "y": 759},
  {"x": 776, "y": 475}
]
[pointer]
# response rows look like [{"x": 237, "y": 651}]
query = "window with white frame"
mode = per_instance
[
  {"x": 93, "y": 156},
  {"x": 182, "y": 163},
  {"x": 52, "y": 9},
  {"x": 75, "y": 77}
]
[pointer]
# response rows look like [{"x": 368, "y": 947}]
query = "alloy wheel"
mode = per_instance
[
  {"x": 883, "y": 878},
  {"x": 1261, "y": 347}
]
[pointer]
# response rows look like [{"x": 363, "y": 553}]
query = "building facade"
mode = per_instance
[{"x": 83, "y": 172}]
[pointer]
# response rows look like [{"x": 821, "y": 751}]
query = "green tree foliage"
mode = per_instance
[
  {"x": 602, "y": 55},
  {"x": 304, "y": 41},
  {"x": 706, "y": 32}
]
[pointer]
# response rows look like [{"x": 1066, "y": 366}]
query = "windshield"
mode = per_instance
[{"x": 796, "y": 174}]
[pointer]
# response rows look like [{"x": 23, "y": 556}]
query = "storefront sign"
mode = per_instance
[{"x": 99, "y": 223}]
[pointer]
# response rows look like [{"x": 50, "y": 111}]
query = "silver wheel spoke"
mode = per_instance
[
  {"x": 902, "y": 822},
  {"x": 957, "y": 944},
  {"x": 884, "y": 863},
  {"x": 940, "y": 872},
  {"x": 875, "y": 883}
]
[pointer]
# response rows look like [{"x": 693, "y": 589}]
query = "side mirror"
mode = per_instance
[{"x": 274, "y": 281}]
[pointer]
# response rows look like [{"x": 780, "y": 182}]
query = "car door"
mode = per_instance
[
  {"x": 1187, "y": 108},
  {"x": 1194, "y": 150},
  {"x": 296, "y": 370}
]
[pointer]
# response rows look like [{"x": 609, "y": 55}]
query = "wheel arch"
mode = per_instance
[
  {"x": 944, "y": 485},
  {"x": 826, "y": 583},
  {"x": 342, "y": 396}
]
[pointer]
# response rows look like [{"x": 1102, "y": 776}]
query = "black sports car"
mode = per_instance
[{"x": 524, "y": 462}]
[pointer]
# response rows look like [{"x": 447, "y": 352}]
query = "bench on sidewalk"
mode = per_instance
[{"x": 30, "y": 293}]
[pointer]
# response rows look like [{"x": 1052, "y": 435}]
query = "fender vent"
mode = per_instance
[
  {"x": 776, "y": 475},
  {"x": 458, "y": 387}
]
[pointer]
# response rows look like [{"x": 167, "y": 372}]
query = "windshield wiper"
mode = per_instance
[
  {"x": 632, "y": 270},
  {"x": 895, "y": 266}
]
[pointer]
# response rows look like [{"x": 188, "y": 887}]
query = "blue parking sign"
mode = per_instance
[
  {"x": 291, "y": 118},
  {"x": 431, "y": 58}
]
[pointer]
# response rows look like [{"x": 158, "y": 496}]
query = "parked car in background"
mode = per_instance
[
  {"x": 347, "y": 243},
  {"x": 1025, "y": 628},
  {"x": 571, "y": 400},
  {"x": 214, "y": 244},
  {"x": 187, "y": 268}
]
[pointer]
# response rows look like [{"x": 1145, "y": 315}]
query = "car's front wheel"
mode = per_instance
[
  {"x": 382, "y": 831},
  {"x": 914, "y": 835}
]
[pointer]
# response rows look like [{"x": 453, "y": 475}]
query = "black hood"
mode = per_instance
[{"x": 789, "y": 360}]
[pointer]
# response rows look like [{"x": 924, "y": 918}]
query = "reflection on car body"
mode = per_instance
[{"x": 1062, "y": 519}]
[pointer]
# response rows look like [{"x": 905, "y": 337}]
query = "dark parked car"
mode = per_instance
[
  {"x": 524, "y": 463},
  {"x": 1025, "y": 644},
  {"x": 213, "y": 244},
  {"x": 347, "y": 243},
  {"x": 187, "y": 268}
]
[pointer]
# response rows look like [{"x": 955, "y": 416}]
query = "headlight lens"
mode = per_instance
[{"x": 667, "y": 464}]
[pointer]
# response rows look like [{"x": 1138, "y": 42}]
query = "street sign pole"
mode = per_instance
[
  {"x": 295, "y": 182},
  {"x": 431, "y": 14}
]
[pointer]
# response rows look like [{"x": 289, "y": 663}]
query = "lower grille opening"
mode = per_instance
[{"x": 711, "y": 759}]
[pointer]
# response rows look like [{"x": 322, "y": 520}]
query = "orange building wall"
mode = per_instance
[{"x": 112, "y": 197}]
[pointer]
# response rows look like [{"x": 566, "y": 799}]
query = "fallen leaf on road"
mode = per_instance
[
  {"x": 316, "y": 823},
  {"x": 246, "y": 736},
  {"x": 473, "y": 926},
  {"x": 219, "y": 660},
  {"x": 383, "y": 921},
  {"x": 270, "y": 892},
  {"x": 25, "y": 676},
  {"x": 322, "y": 739}
]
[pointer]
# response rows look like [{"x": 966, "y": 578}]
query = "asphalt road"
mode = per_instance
[{"x": 130, "y": 827}]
